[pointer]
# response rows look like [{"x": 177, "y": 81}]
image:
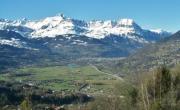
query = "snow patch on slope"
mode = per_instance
[{"x": 12, "y": 42}]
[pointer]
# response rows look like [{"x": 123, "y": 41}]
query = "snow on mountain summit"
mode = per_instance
[
  {"x": 101, "y": 29},
  {"x": 159, "y": 31},
  {"x": 51, "y": 27},
  {"x": 126, "y": 22}
]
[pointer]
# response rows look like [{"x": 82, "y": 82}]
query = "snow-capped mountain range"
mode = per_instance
[
  {"x": 72, "y": 38},
  {"x": 61, "y": 25}
]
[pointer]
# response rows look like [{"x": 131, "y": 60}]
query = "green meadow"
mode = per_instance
[{"x": 70, "y": 78}]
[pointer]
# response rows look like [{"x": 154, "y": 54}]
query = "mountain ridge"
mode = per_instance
[{"x": 61, "y": 25}]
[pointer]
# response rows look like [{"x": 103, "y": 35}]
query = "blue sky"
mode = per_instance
[{"x": 148, "y": 13}]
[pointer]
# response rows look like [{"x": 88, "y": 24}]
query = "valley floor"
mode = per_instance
[{"x": 71, "y": 78}]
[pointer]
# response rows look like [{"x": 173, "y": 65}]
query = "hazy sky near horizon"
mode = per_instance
[{"x": 150, "y": 14}]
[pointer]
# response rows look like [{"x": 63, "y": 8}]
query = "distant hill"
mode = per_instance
[{"x": 166, "y": 51}]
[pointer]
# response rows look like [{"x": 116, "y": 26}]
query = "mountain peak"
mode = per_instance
[
  {"x": 21, "y": 21},
  {"x": 61, "y": 15},
  {"x": 159, "y": 31},
  {"x": 126, "y": 22},
  {"x": 57, "y": 18},
  {"x": 2, "y": 20}
]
